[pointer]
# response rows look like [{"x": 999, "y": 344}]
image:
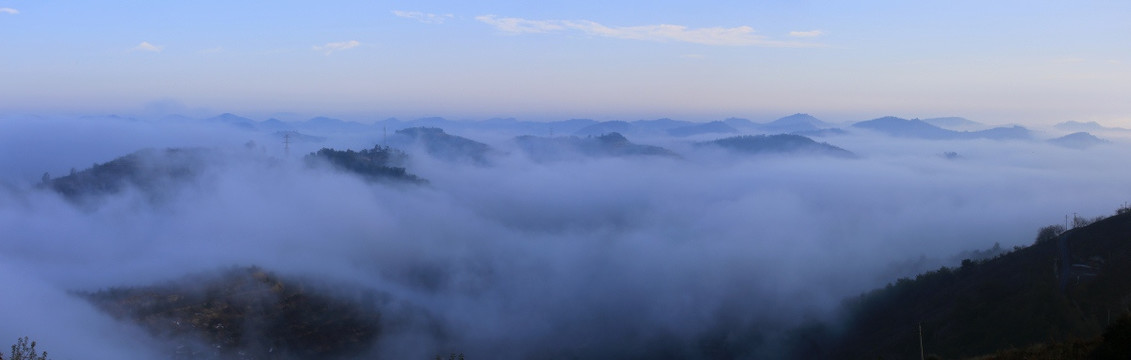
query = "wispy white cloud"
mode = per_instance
[
  {"x": 806, "y": 34},
  {"x": 9, "y": 11},
  {"x": 146, "y": 46},
  {"x": 735, "y": 36},
  {"x": 337, "y": 46},
  {"x": 520, "y": 26},
  {"x": 423, "y": 17}
]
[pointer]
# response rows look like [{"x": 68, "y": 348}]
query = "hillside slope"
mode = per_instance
[
  {"x": 244, "y": 313},
  {"x": 1069, "y": 287}
]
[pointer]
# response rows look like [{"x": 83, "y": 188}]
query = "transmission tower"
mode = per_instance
[{"x": 287, "y": 144}]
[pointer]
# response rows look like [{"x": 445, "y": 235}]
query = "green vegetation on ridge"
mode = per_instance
[{"x": 1068, "y": 285}]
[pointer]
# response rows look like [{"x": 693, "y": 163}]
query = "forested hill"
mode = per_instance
[
  {"x": 149, "y": 170},
  {"x": 246, "y": 313},
  {"x": 156, "y": 173},
  {"x": 380, "y": 163},
  {"x": 1070, "y": 285}
]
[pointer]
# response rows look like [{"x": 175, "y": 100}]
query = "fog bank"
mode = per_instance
[{"x": 591, "y": 257}]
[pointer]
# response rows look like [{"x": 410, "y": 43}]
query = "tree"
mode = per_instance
[
  {"x": 23, "y": 350},
  {"x": 1123, "y": 209},
  {"x": 1049, "y": 233}
]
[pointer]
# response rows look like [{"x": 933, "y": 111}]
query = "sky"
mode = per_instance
[{"x": 1000, "y": 62}]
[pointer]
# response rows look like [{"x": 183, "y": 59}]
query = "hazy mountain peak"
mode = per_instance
[
  {"x": 1078, "y": 126},
  {"x": 794, "y": 123},
  {"x": 954, "y": 123},
  {"x": 1078, "y": 140},
  {"x": 605, "y": 127}
]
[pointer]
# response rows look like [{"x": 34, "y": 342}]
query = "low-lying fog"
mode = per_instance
[{"x": 591, "y": 257}]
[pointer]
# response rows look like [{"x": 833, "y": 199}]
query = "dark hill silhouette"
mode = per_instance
[
  {"x": 544, "y": 149},
  {"x": 381, "y": 163},
  {"x": 151, "y": 171},
  {"x": 777, "y": 144},
  {"x": 245, "y": 313},
  {"x": 1079, "y": 140},
  {"x": 1069, "y": 286}
]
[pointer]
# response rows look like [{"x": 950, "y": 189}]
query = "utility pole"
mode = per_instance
[{"x": 922, "y": 354}]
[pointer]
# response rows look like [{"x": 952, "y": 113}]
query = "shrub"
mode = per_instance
[{"x": 23, "y": 350}]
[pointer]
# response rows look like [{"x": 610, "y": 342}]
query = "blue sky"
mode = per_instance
[{"x": 1028, "y": 62}]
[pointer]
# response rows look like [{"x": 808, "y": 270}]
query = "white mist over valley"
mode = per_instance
[{"x": 509, "y": 239}]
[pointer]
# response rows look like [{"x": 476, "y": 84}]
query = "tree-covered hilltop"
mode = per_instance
[
  {"x": 777, "y": 144},
  {"x": 149, "y": 170},
  {"x": 246, "y": 313},
  {"x": 1068, "y": 285},
  {"x": 381, "y": 163},
  {"x": 613, "y": 144}
]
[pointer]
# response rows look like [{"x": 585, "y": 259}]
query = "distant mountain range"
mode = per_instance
[
  {"x": 444, "y": 146},
  {"x": 1091, "y": 126},
  {"x": 323, "y": 126},
  {"x": 920, "y": 129}
]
